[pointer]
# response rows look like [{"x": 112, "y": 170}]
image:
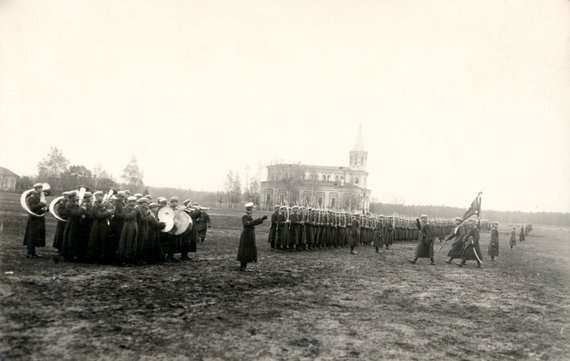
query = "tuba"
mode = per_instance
[
  {"x": 52, "y": 210},
  {"x": 46, "y": 189}
]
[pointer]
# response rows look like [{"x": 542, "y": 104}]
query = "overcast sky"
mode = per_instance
[{"x": 453, "y": 96}]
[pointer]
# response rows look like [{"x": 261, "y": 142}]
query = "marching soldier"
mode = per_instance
[
  {"x": 456, "y": 250},
  {"x": 494, "y": 244},
  {"x": 35, "y": 235},
  {"x": 424, "y": 249},
  {"x": 247, "y": 250},
  {"x": 471, "y": 250}
]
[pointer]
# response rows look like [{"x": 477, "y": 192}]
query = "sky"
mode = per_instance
[{"x": 454, "y": 97}]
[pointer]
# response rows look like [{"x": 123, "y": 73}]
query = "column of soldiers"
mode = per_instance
[
  {"x": 124, "y": 230},
  {"x": 301, "y": 228}
]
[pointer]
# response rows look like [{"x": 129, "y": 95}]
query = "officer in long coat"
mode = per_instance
[
  {"x": 494, "y": 243},
  {"x": 35, "y": 235},
  {"x": 72, "y": 234},
  {"x": 424, "y": 249},
  {"x": 247, "y": 250},
  {"x": 202, "y": 225},
  {"x": 459, "y": 233},
  {"x": 471, "y": 249}
]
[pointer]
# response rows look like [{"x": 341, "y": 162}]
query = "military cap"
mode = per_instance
[
  {"x": 38, "y": 185},
  {"x": 142, "y": 200},
  {"x": 248, "y": 205},
  {"x": 132, "y": 198},
  {"x": 153, "y": 205}
]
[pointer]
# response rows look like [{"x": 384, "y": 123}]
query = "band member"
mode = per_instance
[
  {"x": 115, "y": 227},
  {"x": 173, "y": 240},
  {"x": 98, "y": 236},
  {"x": 459, "y": 233},
  {"x": 273, "y": 228},
  {"x": 35, "y": 235},
  {"x": 72, "y": 233},
  {"x": 203, "y": 224},
  {"x": 424, "y": 249},
  {"x": 513, "y": 241},
  {"x": 189, "y": 239},
  {"x": 247, "y": 250},
  {"x": 471, "y": 250},
  {"x": 142, "y": 215},
  {"x": 85, "y": 230},
  {"x": 155, "y": 252},
  {"x": 128, "y": 240},
  {"x": 354, "y": 233},
  {"x": 60, "y": 228},
  {"x": 494, "y": 244}
]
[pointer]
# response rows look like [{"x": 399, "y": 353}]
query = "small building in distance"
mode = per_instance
[
  {"x": 342, "y": 187},
  {"x": 8, "y": 180}
]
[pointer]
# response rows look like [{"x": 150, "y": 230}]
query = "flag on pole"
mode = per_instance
[{"x": 475, "y": 208}]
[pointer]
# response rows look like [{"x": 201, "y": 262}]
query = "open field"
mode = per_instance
[{"x": 324, "y": 305}]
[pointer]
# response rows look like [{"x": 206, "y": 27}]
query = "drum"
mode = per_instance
[
  {"x": 182, "y": 221},
  {"x": 166, "y": 215}
]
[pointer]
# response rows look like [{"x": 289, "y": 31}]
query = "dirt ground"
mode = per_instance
[{"x": 319, "y": 305}]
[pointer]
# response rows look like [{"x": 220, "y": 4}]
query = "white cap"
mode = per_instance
[{"x": 249, "y": 205}]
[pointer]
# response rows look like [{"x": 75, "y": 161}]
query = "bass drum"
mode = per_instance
[
  {"x": 182, "y": 221},
  {"x": 166, "y": 215}
]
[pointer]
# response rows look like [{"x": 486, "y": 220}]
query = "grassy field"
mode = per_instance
[{"x": 320, "y": 305}]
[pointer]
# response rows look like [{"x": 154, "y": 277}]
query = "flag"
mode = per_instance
[{"x": 475, "y": 208}]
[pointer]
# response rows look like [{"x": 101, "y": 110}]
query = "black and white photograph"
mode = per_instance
[{"x": 284, "y": 180}]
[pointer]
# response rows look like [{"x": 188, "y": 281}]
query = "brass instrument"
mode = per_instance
[
  {"x": 46, "y": 189},
  {"x": 81, "y": 195}
]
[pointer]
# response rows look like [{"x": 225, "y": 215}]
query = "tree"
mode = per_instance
[
  {"x": 24, "y": 183},
  {"x": 233, "y": 187},
  {"x": 100, "y": 172},
  {"x": 253, "y": 191},
  {"x": 80, "y": 170},
  {"x": 53, "y": 165},
  {"x": 133, "y": 176}
]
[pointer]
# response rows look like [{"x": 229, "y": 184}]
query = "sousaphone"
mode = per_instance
[
  {"x": 24, "y": 199},
  {"x": 52, "y": 208}
]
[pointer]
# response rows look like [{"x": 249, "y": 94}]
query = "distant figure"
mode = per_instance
[
  {"x": 273, "y": 227},
  {"x": 494, "y": 244},
  {"x": 513, "y": 241},
  {"x": 424, "y": 249},
  {"x": 378, "y": 239},
  {"x": 354, "y": 234},
  {"x": 35, "y": 235},
  {"x": 522, "y": 237},
  {"x": 247, "y": 250}
]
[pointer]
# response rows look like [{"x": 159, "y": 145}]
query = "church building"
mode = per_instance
[{"x": 342, "y": 187}]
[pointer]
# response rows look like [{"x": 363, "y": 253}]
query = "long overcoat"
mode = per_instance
[
  {"x": 36, "y": 226},
  {"x": 424, "y": 249},
  {"x": 247, "y": 250},
  {"x": 494, "y": 244}
]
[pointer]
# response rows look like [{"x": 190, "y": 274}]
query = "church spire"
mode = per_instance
[{"x": 359, "y": 143}]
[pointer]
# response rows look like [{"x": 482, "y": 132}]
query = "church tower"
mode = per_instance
[{"x": 358, "y": 156}]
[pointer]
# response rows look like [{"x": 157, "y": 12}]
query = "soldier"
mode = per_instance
[
  {"x": 471, "y": 250},
  {"x": 389, "y": 229},
  {"x": 173, "y": 240},
  {"x": 354, "y": 233},
  {"x": 282, "y": 229},
  {"x": 294, "y": 228},
  {"x": 309, "y": 221},
  {"x": 378, "y": 238},
  {"x": 128, "y": 240},
  {"x": 60, "y": 228},
  {"x": 494, "y": 244},
  {"x": 35, "y": 235},
  {"x": 302, "y": 235},
  {"x": 456, "y": 250},
  {"x": 424, "y": 249},
  {"x": 99, "y": 229},
  {"x": 115, "y": 227},
  {"x": 203, "y": 224},
  {"x": 247, "y": 250},
  {"x": 273, "y": 228},
  {"x": 513, "y": 241},
  {"x": 142, "y": 215}
]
